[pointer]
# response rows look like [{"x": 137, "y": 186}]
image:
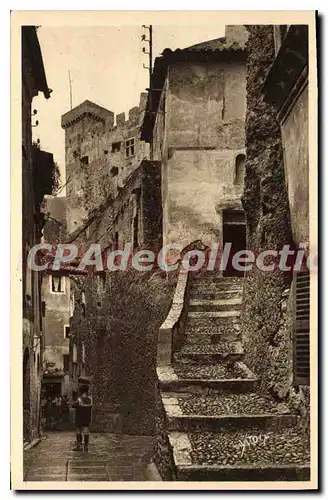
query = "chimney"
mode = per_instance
[{"x": 236, "y": 33}]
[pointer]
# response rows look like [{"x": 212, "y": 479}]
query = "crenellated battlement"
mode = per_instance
[
  {"x": 87, "y": 109},
  {"x": 99, "y": 114}
]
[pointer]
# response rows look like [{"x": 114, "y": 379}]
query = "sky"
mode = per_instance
[{"x": 106, "y": 67}]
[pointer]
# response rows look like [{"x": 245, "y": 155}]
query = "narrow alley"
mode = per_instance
[{"x": 110, "y": 458}]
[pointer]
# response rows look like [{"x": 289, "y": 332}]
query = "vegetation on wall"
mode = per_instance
[
  {"x": 126, "y": 310},
  {"x": 266, "y": 331}
]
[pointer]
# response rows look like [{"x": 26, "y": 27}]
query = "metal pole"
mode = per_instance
[{"x": 150, "y": 69}]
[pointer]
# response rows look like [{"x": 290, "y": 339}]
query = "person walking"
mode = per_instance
[{"x": 83, "y": 407}]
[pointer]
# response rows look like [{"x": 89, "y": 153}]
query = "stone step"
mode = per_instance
[
  {"x": 190, "y": 412},
  {"x": 214, "y": 304},
  {"x": 213, "y": 324},
  {"x": 209, "y": 354},
  {"x": 207, "y": 379},
  {"x": 215, "y": 286},
  {"x": 214, "y": 314},
  {"x": 214, "y": 276},
  {"x": 272, "y": 472},
  {"x": 276, "y": 455},
  {"x": 208, "y": 337},
  {"x": 215, "y": 295}
]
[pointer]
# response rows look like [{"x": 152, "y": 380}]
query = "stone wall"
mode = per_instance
[
  {"x": 33, "y": 81},
  {"x": 138, "y": 202},
  {"x": 267, "y": 302},
  {"x": 55, "y": 319},
  {"x": 54, "y": 208},
  {"x": 56, "y": 313},
  {"x": 123, "y": 311},
  {"x": 97, "y": 163},
  {"x": 202, "y": 135},
  {"x": 295, "y": 137}
]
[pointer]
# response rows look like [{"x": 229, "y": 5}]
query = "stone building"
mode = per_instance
[
  {"x": 99, "y": 156},
  {"x": 196, "y": 119},
  {"x": 275, "y": 319},
  {"x": 222, "y": 169},
  {"x": 115, "y": 195},
  {"x": 113, "y": 199},
  {"x": 37, "y": 174},
  {"x": 287, "y": 91},
  {"x": 133, "y": 217},
  {"x": 56, "y": 307}
]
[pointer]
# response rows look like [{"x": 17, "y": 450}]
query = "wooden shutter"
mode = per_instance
[{"x": 302, "y": 329}]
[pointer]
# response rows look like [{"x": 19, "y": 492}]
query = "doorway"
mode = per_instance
[{"x": 234, "y": 232}]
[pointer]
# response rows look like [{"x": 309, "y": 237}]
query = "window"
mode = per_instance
[
  {"x": 129, "y": 148},
  {"x": 57, "y": 284},
  {"x": 71, "y": 305},
  {"x": 240, "y": 169},
  {"x": 302, "y": 329},
  {"x": 43, "y": 306},
  {"x": 84, "y": 160},
  {"x": 116, "y": 147},
  {"x": 66, "y": 363},
  {"x": 74, "y": 355},
  {"x": 67, "y": 331},
  {"x": 83, "y": 303}
]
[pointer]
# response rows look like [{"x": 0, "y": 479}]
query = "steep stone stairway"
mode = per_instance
[{"x": 221, "y": 428}]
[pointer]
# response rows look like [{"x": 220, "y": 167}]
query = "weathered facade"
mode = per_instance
[
  {"x": 133, "y": 217},
  {"x": 288, "y": 92},
  {"x": 276, "y": 205},
  {"x": 56, "y": 307},
  {"x": 113, "y": 199},
  {"x": 37, "y": 173},
  {"x": 99, "y": 156},
  {"x": 198, "y": 137},
  {"x": 196, "y": 119}
]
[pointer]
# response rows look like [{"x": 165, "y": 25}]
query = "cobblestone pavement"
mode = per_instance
[{"x": 111, "y": 457}]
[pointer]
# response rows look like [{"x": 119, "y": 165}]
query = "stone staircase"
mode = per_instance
[{"x": 220, "y": 427}]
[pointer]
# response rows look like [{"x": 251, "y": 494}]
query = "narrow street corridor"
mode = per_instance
[{"x": 111, "y": 457}]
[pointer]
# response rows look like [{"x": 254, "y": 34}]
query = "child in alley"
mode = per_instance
[{"x": 83, "y": 407}]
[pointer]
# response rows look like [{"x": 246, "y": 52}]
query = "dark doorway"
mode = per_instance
[
  {"x": 234, "y": 232},
  {"x": 51, "y": 389}
]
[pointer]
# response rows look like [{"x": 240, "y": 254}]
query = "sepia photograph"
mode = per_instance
[{"x": 164, "y": 250}]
